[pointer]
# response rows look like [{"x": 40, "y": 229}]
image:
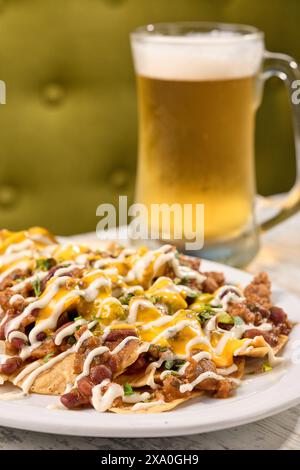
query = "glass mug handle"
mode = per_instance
[{"x": 285, "y": 68}]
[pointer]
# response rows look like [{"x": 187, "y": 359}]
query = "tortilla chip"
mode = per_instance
[
  {"x": 54, "y": 381},
  {"x": 238, "y": 374},
  {"x": 261, "y": 347},
  {"x": 127, "y": 409},
  {"x": 283, "y": 339},
  {"x": 135, "y": 380}
]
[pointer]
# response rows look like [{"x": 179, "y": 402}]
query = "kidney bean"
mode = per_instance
[
  {"x": 100, "y": 373},
  {"x": 17, "y": 343},
  {"x": 139, "y": 364},
  {"x": 35, "y": 312},
  {"x": 73, "y": 399},
  {"x": 112, "y": 363},
  {"x": 11, "y": 365},
  {"x": 2, "y": 332},
  {"x": 278, "y": 315},
  {"x": 41, "y": 336},
  {"x": 116, "y": 335},
  {"x": 268, "y": 336},
  {"x": 230, "y": 289},
  {"x": 85, "y": 387},
  {"x": 48, "y": 277}
]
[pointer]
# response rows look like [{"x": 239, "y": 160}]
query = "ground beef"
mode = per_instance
[
  {"x": 224, "y": 389},
  {"x": 240, "y": 309},
  {"x": 10, "y": 279},
  {"x": 48, "y": 347},
  {"x": 12, "y": 312},
  {"x": 88, "y": 345},
  {"x": 259, "y": 291},
  {"x": 196, "y": 368},
  {"x": 213, "y": 281},
  {"x": 189, "y": 261},
  {"x": 4, "y": 299},
  {"x": 170, "y": 388}
]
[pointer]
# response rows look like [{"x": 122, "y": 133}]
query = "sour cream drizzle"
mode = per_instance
[
  {"x": 206, "y": 375},
  {"x": 104, "y": 402},
  {"x": 23, "y": 265},
  {"x": 197, "y": 357},
  {"x": 68, "y": 331},
  {"x": 20, "y": 285},
  {"x": 16, "y": 298},
  {"x": 123, "y": 343},
  {"x": 227, "y": 370},
  {"x": 40, "y": 303},
  {"x": 172, "y": 330}
]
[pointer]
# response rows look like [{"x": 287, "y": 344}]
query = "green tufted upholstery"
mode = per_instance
[{"x": 68, "y": 130}]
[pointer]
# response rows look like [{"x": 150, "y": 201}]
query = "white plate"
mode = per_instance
[{"x": 258, "y": 397}]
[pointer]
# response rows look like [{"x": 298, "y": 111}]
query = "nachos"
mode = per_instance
[{"x": 127, "y": 330}]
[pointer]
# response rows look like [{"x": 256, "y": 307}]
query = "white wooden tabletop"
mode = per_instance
[{"x": 280, "y": 256}]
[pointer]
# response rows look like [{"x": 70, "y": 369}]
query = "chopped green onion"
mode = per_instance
[
  {"x": 72, "y": 340},
  {"x": 162, "y": 348},
  {"x": 37, "y": 286},
  {"x": 128, "y": 390},
  {"x": 78, "y": 318},
  {"x": 126, "y": 298},
  {"x": 47, "y": 357},
  {"x": 266, "y": 367},
  {"x": 169, "y": 365},
  {"x": 45, "y": 264},
  {"x": 225, "y": 318},
  {"x": 205, "y": 315}
]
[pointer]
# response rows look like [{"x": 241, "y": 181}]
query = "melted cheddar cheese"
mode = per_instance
[{"x": 117, "y": 291}]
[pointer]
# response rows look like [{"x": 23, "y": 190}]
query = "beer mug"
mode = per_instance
[{"x": 199, "y": 86}]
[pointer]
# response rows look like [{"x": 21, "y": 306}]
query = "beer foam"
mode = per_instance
[{"x": 217, "y": 55}]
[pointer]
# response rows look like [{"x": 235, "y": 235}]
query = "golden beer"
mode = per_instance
[
  {"x": 196, "y": 146},
  {"x": 198, "y": 91}
]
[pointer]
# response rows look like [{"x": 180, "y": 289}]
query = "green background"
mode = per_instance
[{"x": 68, "y": 131}]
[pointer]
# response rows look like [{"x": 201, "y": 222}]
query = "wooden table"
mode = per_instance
[{"x": 280, "y": 256}]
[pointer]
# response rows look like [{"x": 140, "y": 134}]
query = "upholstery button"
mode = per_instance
[
  {"x": 54, "y": 93},
  {"x": 8, "y": 195},
  {"x": 119, "y": 178}
]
